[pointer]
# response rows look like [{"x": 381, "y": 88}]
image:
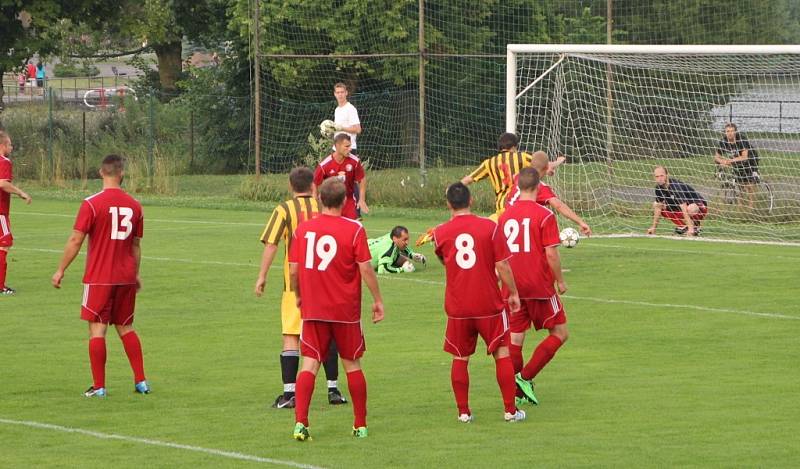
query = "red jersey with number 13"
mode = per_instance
[
  {"x": 470, "y": 246},
  {"x": 327, "y": 251},
  {"x": 112, "y": 219}
]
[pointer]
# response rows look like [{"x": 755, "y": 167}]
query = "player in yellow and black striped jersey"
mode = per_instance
[
  {"x": 281, "y": 226},
  {"x": 501, "y": 169}
]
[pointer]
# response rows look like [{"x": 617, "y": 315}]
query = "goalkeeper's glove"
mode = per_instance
[{"x": 418, "y": 257}]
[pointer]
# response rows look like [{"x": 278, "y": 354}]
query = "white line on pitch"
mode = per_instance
[
  {"x": 165, "y": 444},
  {"x": 635, "y": 303}
]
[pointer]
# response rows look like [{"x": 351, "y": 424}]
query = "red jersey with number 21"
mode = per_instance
[
  {"x": 327, "y": 251},
  {"x": 112, "y": 219},
  {"x": 470, "y": 246},
  {"x": 529, "y": 228}
]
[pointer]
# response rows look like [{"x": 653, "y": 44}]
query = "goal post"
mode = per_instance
[{"x": 617, "y": 111}]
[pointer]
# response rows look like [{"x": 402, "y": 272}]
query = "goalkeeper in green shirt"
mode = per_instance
[{"x": 391, "y": 253}]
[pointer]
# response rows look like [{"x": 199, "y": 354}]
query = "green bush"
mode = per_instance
[{"x": 62, "y": 70}]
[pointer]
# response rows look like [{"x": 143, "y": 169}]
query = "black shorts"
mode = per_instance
[{"x": 745, "y": 175}]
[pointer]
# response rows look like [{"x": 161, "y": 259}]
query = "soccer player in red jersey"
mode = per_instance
[
  {"x": 114, "y": 223},
  {"x": 6, "y": 189},
  {"x": 545, "y": 195},
  {"x": 346, "y": 167},
  {"x": 531, "y": 231},
  {"x": 327, "y": 260},
  {"x": 474, "y": 253}
]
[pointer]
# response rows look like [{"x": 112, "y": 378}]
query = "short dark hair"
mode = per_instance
[
  {"x": 458, "y": 195},
  {"x": 112, "y": 165},
  {"x": 397, "y": 231},
  {"x": 528, "y": 179},
  {"x": 507, "y": 141},
  {"x": 341, "y": 85},
  {"x": 339, "y": 137},
  {"x": 300, "y": 179},
  {"x": 332, "y": 192},
  {"x": 732, "y": 125}
]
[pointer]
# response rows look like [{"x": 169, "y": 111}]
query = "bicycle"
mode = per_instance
[{"x": 732, "y": 190}]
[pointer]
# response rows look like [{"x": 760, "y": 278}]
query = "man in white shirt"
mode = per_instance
[
  {"x": 346, "y": 119},
  {"x": 346, "y": 116}
]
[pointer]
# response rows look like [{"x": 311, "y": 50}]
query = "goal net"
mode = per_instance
[{"x": 616, "y": 112}]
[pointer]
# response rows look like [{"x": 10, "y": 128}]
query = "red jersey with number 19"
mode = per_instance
[
  {"x": 327, "y": 251},
  {"x": 112, "y": 219},
  {"x": 470, "y": 246},
  {"x": 529, "y": 228}
]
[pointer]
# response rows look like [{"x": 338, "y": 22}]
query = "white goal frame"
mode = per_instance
[{"x": 513, "y": 49}]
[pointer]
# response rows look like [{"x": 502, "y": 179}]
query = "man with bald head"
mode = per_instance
[{"x": 679, "y": 202}]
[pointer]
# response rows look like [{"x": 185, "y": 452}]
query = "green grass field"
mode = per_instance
[{"x": 681, "y": 353}]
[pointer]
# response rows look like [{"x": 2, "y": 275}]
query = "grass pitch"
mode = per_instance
[{"x": 681, "y": 353}]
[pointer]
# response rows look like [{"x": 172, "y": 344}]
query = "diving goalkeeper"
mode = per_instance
[{"x": 391, "y": 253}]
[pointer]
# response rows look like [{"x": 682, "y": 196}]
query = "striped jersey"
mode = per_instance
[
  {"x": 283, "y": 222},
  {"x": 501, "y": 169}
]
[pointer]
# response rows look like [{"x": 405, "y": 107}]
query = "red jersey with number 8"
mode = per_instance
[
  {"x": 327, "y": 251},
  {"x": 112, "y": 219},
  {"x": 470, "y": 246}
]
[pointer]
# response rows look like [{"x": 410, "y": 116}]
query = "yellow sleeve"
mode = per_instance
[
  {"x": 481, "y": 172},
  {"x": 276, "y": 226}
]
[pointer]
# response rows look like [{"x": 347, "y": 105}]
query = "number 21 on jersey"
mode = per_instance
[
  {"x": 121, "y": 226},
  {"x": 512, "y": 231},
  {"x": 325, "y": 248}
]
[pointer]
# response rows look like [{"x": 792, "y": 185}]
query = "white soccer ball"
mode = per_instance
[
  {"x": 327, "y": 128},
  {"x": 408, "y": 267},
  {"x": 569, "y": 237}
]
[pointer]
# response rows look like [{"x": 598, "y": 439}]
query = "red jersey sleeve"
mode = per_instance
[
  {"x": 359, "y": 174},
  {"x": 318, "y": 175},
  {"x": 550, "y": 232},
  {"x": 5, "y": 170},
  {"x": 85, "y": 219},
  {"x": 294, "y": 254},
  {"x": 361, "y": 248},
  {"x": 501, "y": 251},
  {"x": 544, "y": 194}
]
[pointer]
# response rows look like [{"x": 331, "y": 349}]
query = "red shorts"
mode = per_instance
[
  {"x": 543, "y": 314},
  {"x": 6, "y": 239},
  {"x": 109, "y": 304},
  {"x": 677, "y": 217},
  {"x": 461, "y": 336},
  {"x": 315, "y": 338}
]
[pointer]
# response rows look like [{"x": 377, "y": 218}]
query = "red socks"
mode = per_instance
[
  {"x": 516, "y": 357},
  {"x": 459, "y": 377},
  {"x": 541, "y": 356},
  {"x": 97, "y": 358},
  {"x": 133, "y": 348},
  {"x": 357, "y": 385},
  {"x": 3, "y": 268},
  {"x": 504, "y": 370},
  {"x": 304, "y": 389}
]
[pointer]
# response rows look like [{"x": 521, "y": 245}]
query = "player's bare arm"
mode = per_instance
[
  {"x": 554, "y": 261},
  {"x": 362, "y": 194},
  {"x": 657, "y": 207},
  {"x": 467, "y": 180},
  {"x": 137, "y": 254},
  {"x": 553, "y": 165},
  {"x": 71, "y": 251},
  {"x": 687, "y": 217},
  {"x": 314, "y": 191},
  {"x": 743, "y": 155},
  {"x": 9, "y": 187},
  {"x": 504, "y": 272},
  {"x": 371, "y": 280},
  {"x": 353, "y": 129},
  {"x": 564, "y": 209},
  {"x": 266, "y": 261},
  {"x": 294, "y": 282}
]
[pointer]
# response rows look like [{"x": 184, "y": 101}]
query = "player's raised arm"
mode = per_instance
[{"x": 564, "y": 209}]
